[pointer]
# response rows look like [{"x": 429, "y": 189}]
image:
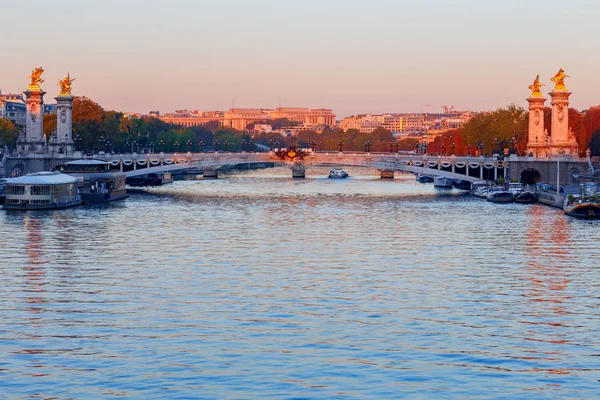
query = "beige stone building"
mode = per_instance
[{"x": 239, "y": 118}]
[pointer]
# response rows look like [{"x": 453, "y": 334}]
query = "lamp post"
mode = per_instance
[
  {"x": 480, "y": 147},
  {"x": 536, "y": 146},
  {"x": 226, "y": 143},
  {"x": 365, "y": 146},
  {"x": 244, "y": 145},
  {"x": 313, "y": 144},
  {"x": 216, "y": 146},
  {"x": 161, "y": 145},
  {"x": 189, "y": 145},
  {"x": 176, "y": 146},
  {"x": 453, "y": 146},
  {"x": 251, "y": 146},
  {"x": 271, "y": 145},
  {"x": 469, "y": 150},
  {"x": 340, "y": 145},
  {"x": 397, "y": 146},
  {"x": 201, "y": 146}
]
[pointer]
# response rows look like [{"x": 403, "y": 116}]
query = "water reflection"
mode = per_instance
[
  {"x": 262, "y": 284},
  {"x": 548, "y": 251}
]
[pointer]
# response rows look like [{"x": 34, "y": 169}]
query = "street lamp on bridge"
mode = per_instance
[{"x": 216, "y": 146}]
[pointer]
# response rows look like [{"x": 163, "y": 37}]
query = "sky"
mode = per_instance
[{"x": 354, "y": 56}]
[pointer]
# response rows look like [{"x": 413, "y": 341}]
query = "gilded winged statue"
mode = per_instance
[
  {"x": 65, "y": 84},
  {"x": 36, "y": 76},
  {"x": 559, "y": 80},
  {"x": 535, "y": 87}
]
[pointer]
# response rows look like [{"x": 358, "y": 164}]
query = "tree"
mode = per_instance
[
  {"x": 495, "y": 130},
  {"x": 49, "y": 125},
  {"x": 8, "y": 133}
]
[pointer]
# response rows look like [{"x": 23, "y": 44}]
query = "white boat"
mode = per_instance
[
  {"x": 41, "y": 191},
  {"x": 515, "y": 188},
  {"x": 442, "y": 182},
  {"x": 337, "y": 173},
  {"x": 501, "y": 196},
  {"x": 479, "y": 189}
]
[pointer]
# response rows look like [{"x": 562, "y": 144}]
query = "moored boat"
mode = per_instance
[
  {"x": 526, "y": 197},
  {"x": 337, "y": 173},
  {"x": 425, "y": 179},
  {"x": 97, "y": 183},
  {"x": 42, "y": 191},
  {"x": 462, "y": 184},
  {"x": 500, "y": 196},
  {"x": 582, "y": 208},
  {"x": 586, "y": 204},
  {"x": 442, "y": 182}
]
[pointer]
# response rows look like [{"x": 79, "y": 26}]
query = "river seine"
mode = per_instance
[{"x": 260, "y": 286}]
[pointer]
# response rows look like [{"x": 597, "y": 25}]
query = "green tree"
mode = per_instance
[{"x": 8, "y": 133}]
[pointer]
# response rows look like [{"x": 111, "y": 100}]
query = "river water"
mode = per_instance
[{"x": 260, "y": 286}]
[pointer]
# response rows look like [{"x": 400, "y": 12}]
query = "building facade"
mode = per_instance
[{"x": 12, "y": 107}]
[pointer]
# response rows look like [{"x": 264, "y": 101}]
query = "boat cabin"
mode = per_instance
[
  {"x": 97, "y": 183},
  {"x": 42, "y": 190}
]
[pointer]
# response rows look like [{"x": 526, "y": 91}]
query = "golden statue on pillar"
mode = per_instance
[
  {"x": 535, "y": 87},
  {"x": 559, "y": 80},
  {"x": 65, "y": 85},
  {"x": 36, "y": 78}
]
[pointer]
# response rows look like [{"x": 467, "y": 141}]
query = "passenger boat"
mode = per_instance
[
  {"x": 586, "y": 204},
  {"x": 479, "y": 189},
  {"x": 500, "y": 196},
  {"x": 337, "y": 173},
  {"x": 526, "y": 197},
  {"x": 579, "y": 207},
  {"x": 2, "y": 190},
  {"x": 547, "y": 195},
  {"x": 442, "y": 182},
  {"x": 97, "y": 183},
  {"x": 425, "y": 179},
  {"x": 515, "y": 188},
  {"x": 41, "y": 191}
]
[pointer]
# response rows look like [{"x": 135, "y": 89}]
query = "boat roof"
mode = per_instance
[
  {"x": 43, "y": 178},
  {"x": 87, "y": 162}
]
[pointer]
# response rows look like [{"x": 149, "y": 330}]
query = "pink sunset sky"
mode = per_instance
[{"x": 351, "y": 56}]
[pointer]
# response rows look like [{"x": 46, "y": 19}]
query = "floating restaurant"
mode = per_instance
[{"x": 42, "y": 190}]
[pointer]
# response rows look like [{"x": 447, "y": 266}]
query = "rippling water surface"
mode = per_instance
[{"x": 259, "y": 286}]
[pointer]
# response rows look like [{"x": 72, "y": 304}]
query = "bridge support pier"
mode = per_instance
[
  {"x": 299, "y": 170},
  {"x": 387, "y": 174},
  {"x": 210, "y": 173}
]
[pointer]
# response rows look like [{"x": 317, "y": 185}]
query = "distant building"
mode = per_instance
[
  {"x": 12, "y": 107},
  {"x": 365, "y": 123},
  {"x": 262, "y": 128},
  {"x": 240, "y": 118}
]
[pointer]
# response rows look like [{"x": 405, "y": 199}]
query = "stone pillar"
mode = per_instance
[
  {"x": 210, "y": 173},
  {"x": 386, "y": 174},
  {"x": 536, "y": 143},
  {"x": 562, "y": 141},
  {"x": 32, "y": 140},
  {"x": 298, "y": 170},
  {"x": 64, "y": 122}
]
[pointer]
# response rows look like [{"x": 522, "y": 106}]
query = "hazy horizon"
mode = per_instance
[{"x": 389, "y": 56}]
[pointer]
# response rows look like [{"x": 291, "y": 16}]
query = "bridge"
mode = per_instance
[{"x": 459, "y": 168}]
